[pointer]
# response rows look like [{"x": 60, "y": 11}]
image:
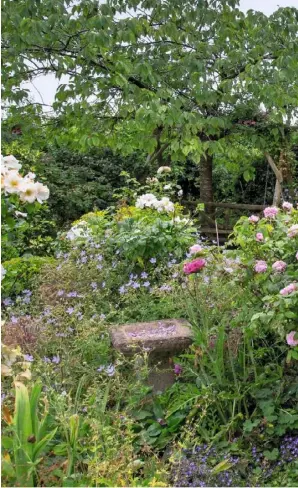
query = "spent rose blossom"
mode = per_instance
[
  {"x": 270, "y": 212},
  {"x": 195, "y": 248},
  {"x": 288, "y": 289},
  {"x": 259, "y": 236},
  {"x": 260, "y": 266},
  {"x": 293, "y": 231},
  {"x": 291, "y": 338},
  {"x": 253, "y": 219},
  {"x": 164, "y": 169},
  {"x": 279, "y": 266},
  {"x": 287, "y": 206},
  {"x": 194, "y": 266}
]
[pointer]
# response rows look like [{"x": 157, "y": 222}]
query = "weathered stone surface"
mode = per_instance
[{"x": 161, "y": 338}]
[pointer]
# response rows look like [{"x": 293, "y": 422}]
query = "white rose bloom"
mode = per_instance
[
  {"x": 28, "y": 192},
  {"x": 166, "y": 205},
  {"x": 30, "y": 176},
  {"x": 20, "y": 214},
  {"x": 11, "y": 162},
  {"x": 148, "y": 200},
  {"x": 167, "y": 187},
  {"x": 180, "y": 193},
  {"x": 42, "y": 192},
  {"x": 3, "y": 272},
  {"x": 164, "y": 169},
  {"x": 13, "y": 182}
]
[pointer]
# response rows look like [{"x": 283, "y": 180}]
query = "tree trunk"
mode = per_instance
[
  {"x": 279, "y": 180},
  {"x": 206, "y": 190}
]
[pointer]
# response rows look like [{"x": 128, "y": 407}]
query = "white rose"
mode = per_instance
[
  {"x": 11, "y": 162},
  {"x": 28, "y": 192},
  {"x": 12, "y": 182},
  {"x": 42, "y": 192}
]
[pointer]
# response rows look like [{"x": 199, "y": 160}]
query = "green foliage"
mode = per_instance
[{"x": 21, "y": 273}]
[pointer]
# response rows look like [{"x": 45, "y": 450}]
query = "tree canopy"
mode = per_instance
[{"x": 168, "y": 78}]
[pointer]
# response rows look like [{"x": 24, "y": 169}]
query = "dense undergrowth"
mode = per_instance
[{"x": 231, "y": 417}]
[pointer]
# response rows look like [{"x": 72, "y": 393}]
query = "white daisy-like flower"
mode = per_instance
[
  {"x": 13, "y": 182},
  {"x": 28, "y": 192},
  {"x": 11, "y": 162},
  {"x": 42, "y": 192}
]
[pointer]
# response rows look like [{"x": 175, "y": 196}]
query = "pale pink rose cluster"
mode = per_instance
[
  {"x": 270, "y": 212},
  {"x": 253, "y": 219},
  {"x": 291, "y": 338},
  {"x": 293, "y": 231},
  {"x": 195, "y": 249},
  {"x": 260, "y": 266},
  {"x": 259, "y": 237},
  {"x": 288, "y": 289},
  {"x": 287, "y": 206},
  {"x": 279, "y": 266}
]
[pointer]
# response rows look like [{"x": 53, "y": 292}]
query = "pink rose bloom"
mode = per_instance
[
  {"x": 279, "y": 266},
  {"x": 253, "y": 219},
  {"x": 259, "y": 236},
  {"x": 260, "y": 267},
  {"x": 194, "y": 266},
  {"x": 297, "y": 255},
  {"x": 287, "y": 206},
  {"x": 288, "y": 289},
  {"x": 291, "y": 338},
  {"x": 293, "y": 231},
  {"x": 270, "y": 212},
  {"x": 195, "y": 248}
]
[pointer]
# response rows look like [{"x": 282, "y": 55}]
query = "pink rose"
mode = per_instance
[
  {"x": 279, "y": 266},
  {"x": 293, "y": 231},
  {"x": 194, "y": 266},
  {"x": 253, "y": 219},
  {"x": 259, "y": 236},
  {"x": 195, "y": 248},
  {"x": 270, "y": 212},
  {"x": 291, "y": 338},
  {"x": 288, "y": 289},
  {"x": 287, "y": 206},
  {"x": 297, "y": 255},
  {"x": 260, "y": 267}
]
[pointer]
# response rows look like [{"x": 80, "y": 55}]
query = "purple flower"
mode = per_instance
[
  {"x": 99, "y": 257},
  {"x": 99, "y": 266},
  {"x": 14, "y": 320},
  {"x": 102, "y": 316},
  {"x": 93, "y": 285},
  {"x": 122, "y": 289},
  {"x": 56, "y": 359},
  {"x": 72, "y": 294},
  {"x": 110, "y": 370},
  {"x": 152, "y": 260},
  {"x": 83, "y": 253},
  {"x": 27, "y": 292},
  {"x": 144, "y": 275},
  {"x": 28, "y": 357},
  {"x": 136, "y": 285},
  {"x": 59, "y": 267},
  {"x": 60, "y": 293},
  {"x": 174, "y": 275},
  {"x": 84, "y": 259},
  {"x": 165, "y": 288},
  {"x": 46, "y": 360},
  {"x": 177, "y": 369},
  {"x": 146, "y": 284},
  {"x": 7, "y": 301},
  {"x": 70, "y": 310}
]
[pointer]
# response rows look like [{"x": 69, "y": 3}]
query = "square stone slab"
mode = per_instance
[{"x": 160, "y": 338}]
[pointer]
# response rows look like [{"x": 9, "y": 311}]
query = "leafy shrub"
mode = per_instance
[{"x": 21, "y": 274}]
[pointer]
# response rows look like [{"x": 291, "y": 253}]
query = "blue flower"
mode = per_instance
[
  {"x": 60, "y": 293},
  {"x": 28, "y": 357},
  {"x": 27, "y": 292},
  {"x": 99, "y": 266},
  {"x": 136, "y": 285},
  {"x": 56, "y": 359},
  {"x": 122, "y": 289},
  {"x": 152, "y": 260},
  {"x": 14, "y": 320},
  {"x": 7, "y": 302},
  {"x": 144, "y": 275},
  {"x": 99, "y": 257},
  {"x": 70, "y": 310},
  {"x": 72, "y": 294},
  {"x": 146, "y": 284}
]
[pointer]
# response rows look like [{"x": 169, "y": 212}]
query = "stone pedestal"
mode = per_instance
[{"x": 162, "y": 339}]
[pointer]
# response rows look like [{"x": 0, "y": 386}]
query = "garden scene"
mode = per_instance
[{"x": 149, "y": 276}]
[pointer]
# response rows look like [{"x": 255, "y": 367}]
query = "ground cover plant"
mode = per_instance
[{"x": 90, "y": 419}]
